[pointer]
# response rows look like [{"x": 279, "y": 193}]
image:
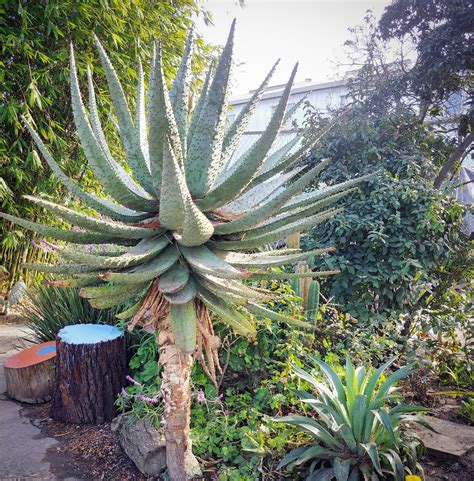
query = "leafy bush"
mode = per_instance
[
  {"x": 356, "y": 434},
  {"x": 52, "y": 308}
]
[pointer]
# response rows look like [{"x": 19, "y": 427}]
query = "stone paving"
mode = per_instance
[{"x": 24, "y": 449}]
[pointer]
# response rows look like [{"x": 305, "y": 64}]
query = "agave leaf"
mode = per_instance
[
  {"x": 332, "y": 378},
  {"x": 371, "y": 449},
  {"x": 404, "y": 408},
  {"x": 203, "y": 160},
  {"x": 265, "y": 210},
  {"x": 115, "y": 211},
  {"x": 236, "y": 130},
  {"x": 312, "y": 427},
  {"x": 360, "y": 378},
  {"x": 183, "y": 296},
  {"x": 246, "y": 167},
  {"x": 66, "y": 235},
  {"x": 399, "y": 469},
  {"x": 204, "y": 261},
  {"x": 128, "y": 133},
  {"x": 184, "y": 325},
  {"x": 384, "y": 419},
  {"x": 269, "y": 314},
  {"x": 341, "y": 469},
  {"x": 111, "y": 175},
  {"x": 391, "y": 380},
  {"x": 147, "y": 271},
  {"x": 351, "y": 384},
  {"x": 358, "y": 416},
  {"x": 111, "y": 228},
  {"x": 145, "y": 250},
  {"x": 313, "y": 452},
  {"x": 180, "y": 90},
  {"x": 174, "y": 279},
  {"x": 373, "y": 380},
  {"x": 228, "y": 314},
  {"x": 292, "y": 456}
]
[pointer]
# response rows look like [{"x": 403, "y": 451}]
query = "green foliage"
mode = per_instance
[
  {"x": 51, "y": 308},
  {"x": 34, "y": 44},
  {"x": 357, "y": 432}
]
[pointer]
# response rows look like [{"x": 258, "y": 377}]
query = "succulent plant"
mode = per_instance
[
  {"x": 356, "y": 428},
  {"x": 15, "y": 295},
  {"x": 186, "y": 213}
]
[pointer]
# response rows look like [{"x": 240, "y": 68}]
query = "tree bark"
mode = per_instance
[
  {"x": 176, "y": 393},
  {"x": 456, "y": 156},
  {"x": 89, "y": 377}
]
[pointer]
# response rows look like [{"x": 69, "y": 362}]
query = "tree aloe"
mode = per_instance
[{"x": 184, "y": 212}]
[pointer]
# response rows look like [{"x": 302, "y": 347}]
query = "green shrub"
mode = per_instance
[
  {"x": 355, "y": 433},
  {"x": 52, "y": 308}
]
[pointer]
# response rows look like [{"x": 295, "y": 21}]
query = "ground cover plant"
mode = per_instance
[{"x": 181, "y": 219}]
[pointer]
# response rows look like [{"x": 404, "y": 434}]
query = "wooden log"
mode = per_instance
[
  {"x": 29, "y": 374},
  {"x": 91, "y": 368}
]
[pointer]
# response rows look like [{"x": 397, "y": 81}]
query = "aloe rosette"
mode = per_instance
[{"x": 189, "y": 218}]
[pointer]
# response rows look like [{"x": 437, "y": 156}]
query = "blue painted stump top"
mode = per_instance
[{"x": 89, "y": 333}]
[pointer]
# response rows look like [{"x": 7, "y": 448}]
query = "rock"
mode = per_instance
[
  {"x": 451, "y": 441},
  {"x": 143, "y": 443}
]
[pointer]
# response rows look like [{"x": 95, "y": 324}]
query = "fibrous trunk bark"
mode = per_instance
[{"x": 176, "y": 393}]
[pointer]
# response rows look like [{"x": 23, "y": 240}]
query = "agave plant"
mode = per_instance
[
  {"x": 187, "y": 216},
  {"x": 357, "y": 433}
]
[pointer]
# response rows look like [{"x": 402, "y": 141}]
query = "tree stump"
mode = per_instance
[
  {"x": 91, "y": 362},
  {"x": 30, "y": 373}
]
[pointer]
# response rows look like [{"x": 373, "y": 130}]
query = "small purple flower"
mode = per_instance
[
  {"x": 76, "y": 229},
  {"x": 148, "y": 400},
  {"x": 35, "y": 244},
  {"x": 225, "y": 411},
  {"x": 123, "y": 393},
  {"x": 130, "y": 379},
  {"x": 200, "y": 397}
]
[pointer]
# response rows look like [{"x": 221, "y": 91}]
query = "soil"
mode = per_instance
[{"x": 85, "y": 452}]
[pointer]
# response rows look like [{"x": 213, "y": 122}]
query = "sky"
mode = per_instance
[{"x": 309, "y": 31}]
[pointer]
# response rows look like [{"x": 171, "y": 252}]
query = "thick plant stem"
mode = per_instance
[{"x": 176, "y": 393}]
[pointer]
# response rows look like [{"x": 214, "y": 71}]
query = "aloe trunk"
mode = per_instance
[{"x": 181, "y": 224}]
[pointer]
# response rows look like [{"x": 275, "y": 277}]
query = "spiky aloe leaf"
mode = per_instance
[
  {"x": 229, "y": 285},
  {"x": 184, "y": 325},
  {"x": 228, "y": 314},
  {"x": 113, "y": 177},
  {"x": 110, "y": 209},
  {"x": 107, "y": 290},
  {"x": 204, "y": 261},
  {"x": 161, "y": 121},
  {"x": 244, "y": 169},
  {"x": 66, "y": 235},
  {"x": 203, "y": 160},
  {"x": 67, "y": 269},
  {"x": 116, "y": 300},
  {"x": 174, "y": 279},
  {"x": 128, "y": 134},
  {"x": 237, "y": 129},
  {"x": 252, "y": 241},
  {"x": 197, "y": 228},
  {"x": 292, "y": 275},
  {"x": 184, "y": 295},
  {"x": 131, "y": 311},
  {"x": 262, "y": 259},
  {"x": 180, "y": 90},
  {"x": 97, "y": 225},
  {"x": 259, "y": 310},
  {"x": 145, "y": 250},
  {"x": 268, "y": 208},
  {"x": 147, "y": 271},
  {"x": 141, "y": 125}
]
